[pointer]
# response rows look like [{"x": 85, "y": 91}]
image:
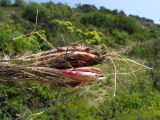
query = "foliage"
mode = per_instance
[
  {"x": 121, "y": 38},
  {"x": 26, "y": 44},
  {"x": 97, "y": 19},
  {"x": 20, "y": 3},
  {"x": 85, "y": 8},
  {"x": 31, "y": 11},
  {"x": 93, "y": 37},
  {"x": 126, "y": 24},
  {"x": 59, "y": 11},
  {"x": 4, "y": 3},
  {"x": 90, "y": 37},
  {"x": 131, "y": 106},
  {"x": 15, "y": 104},
  {"x": 64, "y": 25},
  {"x": 21, "y": 45},
  {"x": 137, "y": 98},
  {"x": 7, "y": 33}
]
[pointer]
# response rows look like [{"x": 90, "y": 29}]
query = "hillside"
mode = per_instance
[{"x": 132, "y": 37}]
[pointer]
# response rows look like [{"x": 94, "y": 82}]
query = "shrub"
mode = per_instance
[
  {"x": 19, "y": 3},
  {"x": 31, "y": 11},
  {"x": 126, "y": 24},
  {"x": 9, "y": 31},
  {"x": 86, "y": 8},
  {"x": 5, "y": 3},
  {"x": 96, "y": 19},
  {"x": 121, "y": 38}
]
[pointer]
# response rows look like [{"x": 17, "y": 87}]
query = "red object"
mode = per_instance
[
  {"x": 79, "y": 76},
  {"x": 83, "y": 74}
]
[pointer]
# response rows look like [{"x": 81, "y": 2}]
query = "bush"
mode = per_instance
[
  {"x": 5, "y": 3},
  {"x": 31, "y": 11},
  {"x": 126, "y": 24},
  {"x": 131, "y": 106},
  {"x": 121, "y": 38},
  {"x": 96, "y": 19},
  {"x": 59, "y": 11},
  {"x": 86, "y": 8},
  {"x": 9, "y": 31},
  {"x": 19, "y": 3}
]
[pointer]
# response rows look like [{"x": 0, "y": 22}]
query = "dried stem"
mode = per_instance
[
  {"x": 36, "y": 23},
  {"x": 115, "y": 76}
]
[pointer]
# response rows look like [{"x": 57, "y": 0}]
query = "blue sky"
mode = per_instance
[{"x": 143, "y": 8}]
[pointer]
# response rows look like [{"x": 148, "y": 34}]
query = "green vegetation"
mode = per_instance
[{"x": 137, "y": 98}]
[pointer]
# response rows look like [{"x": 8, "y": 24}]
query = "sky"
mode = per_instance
[{"x": 143, "y": 8}]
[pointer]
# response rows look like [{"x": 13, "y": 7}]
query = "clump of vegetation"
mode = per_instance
[{"x": 138, "y": 93}]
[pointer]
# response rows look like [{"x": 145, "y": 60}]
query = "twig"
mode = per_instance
[
  {"x": 129, "y": 60},
  {"x": 128, "y": 65},
  {"x": 135, "y": 62},
  {"x": 36, "y": 21},
  {"x": 35, "y": 32},
  {"x": 35, "y": 114},
  {"x": 115, "y": 77},
  {"x": 126, "y": 73},
  {"x": 29, "y": 34},
  {"x": 44, "y": 39}
]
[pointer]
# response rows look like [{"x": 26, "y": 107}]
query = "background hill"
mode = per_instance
[{"x": 137, "y": 38}]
